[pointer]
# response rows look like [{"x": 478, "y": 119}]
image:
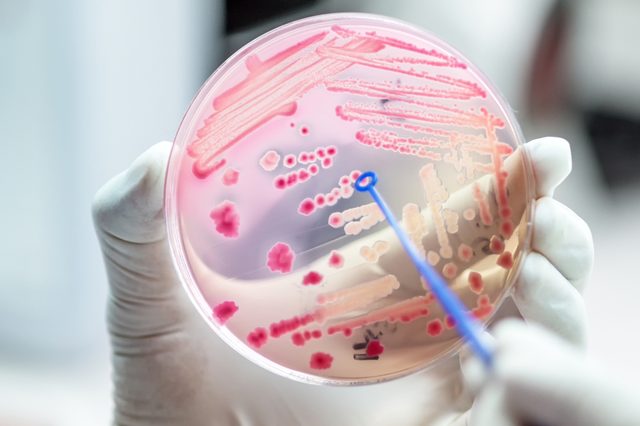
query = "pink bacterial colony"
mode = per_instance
[
  {"x": 336, "y": 260},
  {"x": 312, "y": 278},
  {"x": 225, "y": 310},
  {"x": 280, "y": 258},
  {"x": 226, "y": 219},
  {"x": 230, "y": 177},
  {"x": 344, "y": 190},
  {"x": 321, "y": 158}
]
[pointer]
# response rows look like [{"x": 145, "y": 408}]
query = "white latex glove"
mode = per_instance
[
  {"x": 538, "y": 379},
  {"x": 170, "y": 369}
]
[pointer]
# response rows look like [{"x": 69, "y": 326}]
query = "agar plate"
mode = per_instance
[{"x": 289, "y": 264}]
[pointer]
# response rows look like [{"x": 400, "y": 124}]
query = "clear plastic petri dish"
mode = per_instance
[{"x": 283, "y": 259}]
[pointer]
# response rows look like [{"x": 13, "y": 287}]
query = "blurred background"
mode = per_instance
[{"x": 85, "y": 86}]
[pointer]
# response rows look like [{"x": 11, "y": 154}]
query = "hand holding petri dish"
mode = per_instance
[{"x": 284, "y": 259}]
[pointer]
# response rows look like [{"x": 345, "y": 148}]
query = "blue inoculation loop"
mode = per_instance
[{"x": 468, "y": 327}]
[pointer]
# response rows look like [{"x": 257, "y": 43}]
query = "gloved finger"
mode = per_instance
[
  {"x": 551, "y": 161},
  {"x": 129, "y": 206},
  {"x": 474, "y": 371},
  {"x": 490, "y": 409},
  {"x": 563, "y": 238},
  {"x": 548, "y": 382},
  {"x": 128, "y": 218},
  {"x": 544, "y": 296}
]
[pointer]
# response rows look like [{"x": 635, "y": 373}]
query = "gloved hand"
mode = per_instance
[
  {"x": 540, "y": 380},
  {"x": 170, "y": 369}
]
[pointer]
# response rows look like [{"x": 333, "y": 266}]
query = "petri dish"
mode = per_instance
[{"x": 284, "y": 260}]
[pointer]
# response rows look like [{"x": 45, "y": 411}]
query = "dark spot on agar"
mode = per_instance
[
  {"x": 365, "y": 357},
  {"x": 359, "y": 346}
]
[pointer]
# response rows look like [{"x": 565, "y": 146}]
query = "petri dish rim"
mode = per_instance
[{"x": 174, "y": 236}]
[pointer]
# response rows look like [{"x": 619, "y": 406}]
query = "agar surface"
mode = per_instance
[{"x": 394, "y": 100}]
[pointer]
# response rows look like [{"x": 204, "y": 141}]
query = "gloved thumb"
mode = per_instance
[
  {"x": 539, "y": 379},
  {"x": 129, "y": 221}
]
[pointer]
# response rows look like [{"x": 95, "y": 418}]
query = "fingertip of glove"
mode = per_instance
[
  {"x": 565, "y": 239},
  {"x": 508, "y": 329},
  {"x": 129, "y": 206},
  {"x": 551, "y": 161}
]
